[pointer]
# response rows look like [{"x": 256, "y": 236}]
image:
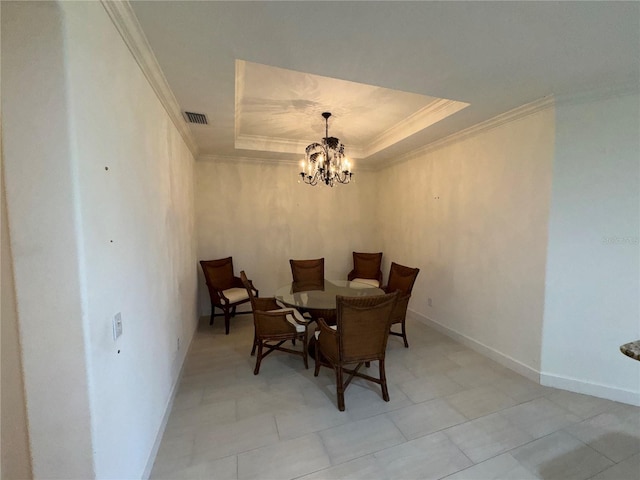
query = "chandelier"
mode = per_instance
[{"x": 325, "y": 162}]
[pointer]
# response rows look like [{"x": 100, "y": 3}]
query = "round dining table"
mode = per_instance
[{"x": 319, "y": 298}]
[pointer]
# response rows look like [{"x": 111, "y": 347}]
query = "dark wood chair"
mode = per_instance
[
  {"x": 225, "y": 289},
  {"x": 401, "y": 279},
  {"x": 307, "y": 271},
  {"x": 273, "y": 326},
  {"x": 359, "y": 337},
  {"x": 366, "y": 268}
]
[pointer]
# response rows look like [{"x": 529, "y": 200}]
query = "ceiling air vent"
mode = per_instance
[{"x": 196, "y": 118}]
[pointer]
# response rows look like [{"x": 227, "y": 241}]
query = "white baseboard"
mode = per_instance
[
  {"x": 593, "y": 389},
  {"x": 547, "y": 379},
  {"x": 499, "y": 357},
  {"x": 165, "y": 418}
]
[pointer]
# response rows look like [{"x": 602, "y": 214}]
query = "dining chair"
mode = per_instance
[
  {"x": 307, "y": 271},
  {"x": 366, "y": 268},
  {"x": 401, "y": 279},
  {"x": 358, "y": 338},
  {"x": 274, "y": 325},
  {"x": 225, "y": 289}
]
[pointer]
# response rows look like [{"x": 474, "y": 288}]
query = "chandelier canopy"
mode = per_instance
[{"x": 326, "y": 162}]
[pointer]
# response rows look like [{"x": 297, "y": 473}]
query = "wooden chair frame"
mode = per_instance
[
  {"x": 303, "y": 271},
  {"x": 360, "y": 337},
  {"x": 219, "y": 277},
  {"x": 401, "y": 279},
  {"x": 272, "y": 329}
]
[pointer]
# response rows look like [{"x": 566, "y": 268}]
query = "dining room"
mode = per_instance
[{"x": 521, "y": 212}]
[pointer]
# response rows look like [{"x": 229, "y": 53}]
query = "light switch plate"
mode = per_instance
[{"x": 117, "y": 325}]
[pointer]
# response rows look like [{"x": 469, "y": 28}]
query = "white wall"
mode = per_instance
[
  {"x": 593, "y": 265},
  {"x": 258, "y": 214},
  {"x": 90, "y": 242},
  {"x": 472, "y": 216},
  {"x": 42, "y": 225},
  {"x": 16, "y": 454}
]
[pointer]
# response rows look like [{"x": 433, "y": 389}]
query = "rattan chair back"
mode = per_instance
[
  {"x": 307, "y": 270},
  {"x": 363, "y": 326},
  {"x": 366, "y": 265}
]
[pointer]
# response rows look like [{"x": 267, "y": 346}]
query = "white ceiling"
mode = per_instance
[{"x": 262, "y": 72}]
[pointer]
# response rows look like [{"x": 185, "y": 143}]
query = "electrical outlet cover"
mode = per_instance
[{"x": 117, "y": 325}]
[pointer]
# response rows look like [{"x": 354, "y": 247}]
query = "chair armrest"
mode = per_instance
[
  {"x": 328, "y": 340},
  {"x": 272, "y": 323},
  {"x": 351, "y": 275},
  {"x": 299, "y": 319},
  {"x": 216, "y": 294},
  {"x": 237, "y": 283}
]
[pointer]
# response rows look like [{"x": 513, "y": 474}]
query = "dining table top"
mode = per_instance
[{"x": 322, "y": 295}]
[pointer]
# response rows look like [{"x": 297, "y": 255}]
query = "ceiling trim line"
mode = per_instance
[
  {"x": 435, "y": 111},
  {"x": 249, "y": 160},
  {"x": 283, "y": 145},
  {"x": 265, "y": 161},
  {"x": 501, "y": 119},
  {"x": 126, "y": 22},
  {"x": 598, "y": 94}
]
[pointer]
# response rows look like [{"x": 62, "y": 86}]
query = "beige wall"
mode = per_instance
[
  {"x": 16, "y": 457},
  {"x": 472, "y": 216},
  {"x": 259, "y": 214}
]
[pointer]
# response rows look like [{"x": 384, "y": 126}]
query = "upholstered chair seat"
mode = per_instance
[
  {"x": 235, "y": 295},
  {"x": 367, "y": 281}
]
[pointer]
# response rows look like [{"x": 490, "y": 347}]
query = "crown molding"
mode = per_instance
[
  {"x": 507, "y": 117},
  {"x": 432, "y": 113},
  {"x": 267, "y": 161},
  {"x": 246, "y": 160},
  {"x": 127, "y": 24},
  {"x": 598, "y": 94},
  {"x": 282, "y": 145}
]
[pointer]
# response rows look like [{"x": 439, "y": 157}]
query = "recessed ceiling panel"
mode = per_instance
[{"x": 279, "y": 110}]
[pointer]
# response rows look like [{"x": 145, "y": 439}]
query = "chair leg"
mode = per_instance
[
  {"x": 383, "y": 381},
  {"x": 340, "y": 388},
  {"x": 255, "y": 343},
  {"x": 233, "y": 311},
  {"x": 404, "y": 334},
  {"x": 213, "y": 309},
  {"x": 258, "y": 358},
  {"x": 226, "y": 321},
  {"x": 304, "y": 351},
  {"x": 317, "y": 356}
]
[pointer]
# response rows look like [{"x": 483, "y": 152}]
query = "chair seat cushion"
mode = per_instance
[
  {"x": 369, "y": 281},
  {"x": 293, "y": 313},
  {"x": 235, "y": 294},
  {"x": 317, "y": 332}
]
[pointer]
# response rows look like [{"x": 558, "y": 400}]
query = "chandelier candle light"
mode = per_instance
[{"x": 325, "y": 162}]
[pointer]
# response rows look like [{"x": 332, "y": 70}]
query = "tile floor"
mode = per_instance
[{"x": 453, "y": 414}]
